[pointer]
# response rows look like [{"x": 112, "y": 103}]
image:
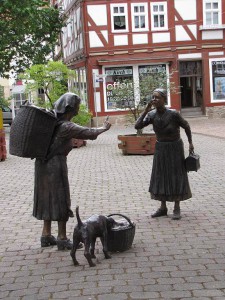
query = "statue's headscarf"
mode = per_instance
[
  {"x": 67, "y": 100},
  {"x": 162, "y": 92}
]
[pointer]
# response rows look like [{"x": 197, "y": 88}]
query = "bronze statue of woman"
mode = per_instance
[
  {"x": 169, "y": 180},
  {"x": 51, "y": 189}
]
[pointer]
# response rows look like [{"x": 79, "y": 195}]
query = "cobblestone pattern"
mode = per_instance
[{"x": 169, "y": 259}]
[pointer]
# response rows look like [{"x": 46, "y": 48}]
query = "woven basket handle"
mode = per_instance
[{"x": 131, "y": 224}]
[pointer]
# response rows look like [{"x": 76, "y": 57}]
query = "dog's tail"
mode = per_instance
[{"x": 78, "y": 217}]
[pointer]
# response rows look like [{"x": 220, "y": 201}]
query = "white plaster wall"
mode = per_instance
[
  {"x": 212, "y": 34},
  {"x": 78, "y": 18},
  {"x": 190, "y": 56},
  {"x": 193, "y": 29},
  {"x": 120, "y": 40},
  {"x": 94, "y": 40},
  {"x": 98, "y": 14},
  {"x": 161, "y": 37},
  {"x": 140, "y": 39},
  {"x": 81, "y": 44},
  {"x": 66, "y": 3},
  {"x": 216, "y": 53},
  {"x": 181, "y": 34},
  {"x": 105, "y": 34},
  {"x": 186, "y": 9}
]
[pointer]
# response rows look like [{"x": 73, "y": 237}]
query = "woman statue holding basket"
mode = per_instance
[
  {"x": 169, "y": 180},
  {"x": 51, "y": 191}
]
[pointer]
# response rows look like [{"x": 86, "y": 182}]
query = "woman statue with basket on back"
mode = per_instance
[{"x": 51, "y": 191}]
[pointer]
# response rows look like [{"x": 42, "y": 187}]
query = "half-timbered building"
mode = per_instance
[{"x": 108, "y": 41}]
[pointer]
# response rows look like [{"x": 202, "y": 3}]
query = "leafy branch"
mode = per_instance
[{"x": 29, "y": 31}]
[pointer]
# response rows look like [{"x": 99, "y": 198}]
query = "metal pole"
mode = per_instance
[{"x": 95, "y": 100}]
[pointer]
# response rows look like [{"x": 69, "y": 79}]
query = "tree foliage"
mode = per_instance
[
  {"x": 51, "y": 77},
  {"x": 3, "y": 102},
  {"x": 29, "y": 30}
]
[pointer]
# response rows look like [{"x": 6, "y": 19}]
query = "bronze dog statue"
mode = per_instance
[{"x": 87, "y": 232}]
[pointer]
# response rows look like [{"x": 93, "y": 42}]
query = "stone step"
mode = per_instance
[{"x": 192, "y": 112}]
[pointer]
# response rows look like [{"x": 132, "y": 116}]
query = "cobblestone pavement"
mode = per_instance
[{"x": 168, "y": 260}]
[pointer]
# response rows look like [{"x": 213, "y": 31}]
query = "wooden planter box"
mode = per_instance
[{"x": 137, "y": 144}]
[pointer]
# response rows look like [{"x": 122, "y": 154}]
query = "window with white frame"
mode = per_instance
[
  {"x": 217, "y": 79},
  {"x": 212, "y": 12},
  {"x": 119, "y": 17},
  {"x": 159, "y": 19},
  {"x": 139, "y": 16},
  {"x": 119, "y": 87}
]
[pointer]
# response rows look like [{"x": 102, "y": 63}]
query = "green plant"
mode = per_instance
[{"x": 84, "y": 116}]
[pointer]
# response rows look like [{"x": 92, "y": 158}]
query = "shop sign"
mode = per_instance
[
  {"x": 153, "y": 69},
  {"x": 119, "y": 72}
]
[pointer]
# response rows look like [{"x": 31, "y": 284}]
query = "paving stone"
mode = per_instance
[{"x": 168, "y": 260}]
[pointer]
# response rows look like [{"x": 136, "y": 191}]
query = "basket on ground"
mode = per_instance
[
  {"x": 31, "y": 132},
  {"x": 121, "y": 238}
]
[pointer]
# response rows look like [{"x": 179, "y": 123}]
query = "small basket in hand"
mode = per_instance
[
  {"x": 121, "y": 238},
  {"x": 192, "y": 162}
]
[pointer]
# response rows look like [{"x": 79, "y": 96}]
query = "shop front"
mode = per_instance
[{"x": 129, "y": 78}]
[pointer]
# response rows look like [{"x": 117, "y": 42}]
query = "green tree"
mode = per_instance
[
  {"x": 29, "y": 30},
  {"x": 51, "y": 77},
  {"x": 3, "y": 102}
]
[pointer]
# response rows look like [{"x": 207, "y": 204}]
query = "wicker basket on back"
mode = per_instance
[
  {"x": 121, "y": 238},
  {"x": 31, "y": 132}
]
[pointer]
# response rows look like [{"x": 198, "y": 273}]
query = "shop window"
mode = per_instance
[
  {"x": 159, "y": 19},
  {"x": 119, "y": 17},
  {"x": 217, "y": 76},
  {"x": 212, "y": 12},
  {"x": 119, "y": 78},
  {"x": 139, "y": 16},
  {"x": 150, "y": 77}
]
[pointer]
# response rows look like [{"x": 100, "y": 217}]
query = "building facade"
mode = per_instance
[{"x": 106, "y": 42}]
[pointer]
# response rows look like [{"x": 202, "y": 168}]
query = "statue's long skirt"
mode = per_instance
[
  {"x": 51, "y": 189},
  {"x": 169, "y": 179}
]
